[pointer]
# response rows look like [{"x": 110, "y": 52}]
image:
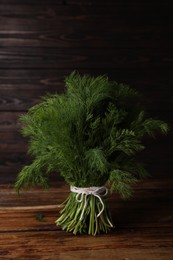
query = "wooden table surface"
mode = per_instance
[{"x": 143, "y": 229}]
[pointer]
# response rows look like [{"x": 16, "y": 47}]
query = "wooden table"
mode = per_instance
[{"x": 143, "y": 226}]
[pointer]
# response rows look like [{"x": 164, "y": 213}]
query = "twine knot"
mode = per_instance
[{"x": 83, "y": 193}]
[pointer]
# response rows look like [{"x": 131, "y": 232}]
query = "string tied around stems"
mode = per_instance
[{"x": 83, "y": 193}]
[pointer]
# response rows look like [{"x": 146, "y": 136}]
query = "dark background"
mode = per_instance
[{"x": 43, "y": 41}]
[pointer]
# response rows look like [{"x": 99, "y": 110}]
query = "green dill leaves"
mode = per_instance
[
  {"x": 40, "y": 217},
  {"x": 90, "y": 134}
]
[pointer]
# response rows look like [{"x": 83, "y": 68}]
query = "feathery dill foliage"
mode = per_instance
[{"x": 89, "y": 134}]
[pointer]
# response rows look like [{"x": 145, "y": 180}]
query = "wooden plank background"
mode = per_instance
[
  {"x": 143, "y": 227},
  {"x": 43, "y": 41}
]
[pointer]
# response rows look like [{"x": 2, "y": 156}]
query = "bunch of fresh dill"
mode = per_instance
[{"x": 90, "y": 135}]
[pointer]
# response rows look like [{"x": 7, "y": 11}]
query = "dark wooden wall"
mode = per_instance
[{"x": 41, "y": 41}]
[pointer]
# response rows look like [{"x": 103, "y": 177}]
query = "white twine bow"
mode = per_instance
[{"x": 84, "y": 192}]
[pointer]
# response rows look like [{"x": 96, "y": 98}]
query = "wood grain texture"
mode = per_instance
[
  {"x": 73, "y": 58},
  {"x": 43, "y": 41},
  {"x": 143, "y": 225},
  {"x": 20, "y": 89}
]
